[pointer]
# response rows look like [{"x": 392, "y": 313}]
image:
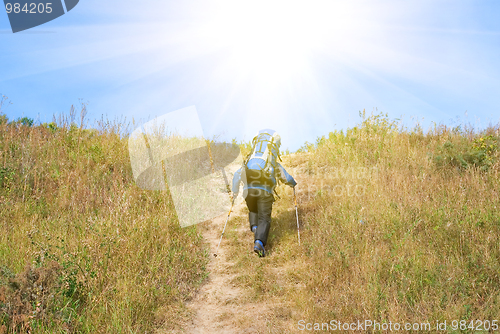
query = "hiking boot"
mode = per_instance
[
  {"x": 259, "y": 248},
  {"x": 254, "y": 228}
]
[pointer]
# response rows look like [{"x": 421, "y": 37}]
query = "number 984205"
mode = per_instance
[{"x": 31, "y": 8}]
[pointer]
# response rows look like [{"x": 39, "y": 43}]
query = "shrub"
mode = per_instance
[
  {"x": 464, "y": 154},
  {"x": 25, "y": 121},
  {"x": 52, "y": 126},
  {"x": 36, "y": 298}
]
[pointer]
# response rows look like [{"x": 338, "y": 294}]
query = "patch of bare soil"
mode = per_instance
[{"x": 221, "y": 306}]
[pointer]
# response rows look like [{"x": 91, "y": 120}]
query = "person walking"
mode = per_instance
[{"x": 260, "y": 174}]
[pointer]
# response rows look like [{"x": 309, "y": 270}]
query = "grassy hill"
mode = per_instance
[
  {"x": 396, "y": 225},
  {"x": 81, "y": 247}
]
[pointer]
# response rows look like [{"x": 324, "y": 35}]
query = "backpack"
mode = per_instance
[{"x": 260, "y": 164}]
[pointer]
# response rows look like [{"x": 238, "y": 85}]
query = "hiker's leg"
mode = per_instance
[
  {"x": 265, "y": 207},
  {"x": 253, "y": 216}
]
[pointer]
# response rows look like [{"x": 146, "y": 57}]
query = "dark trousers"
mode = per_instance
[{"x": 260, "y": 205}]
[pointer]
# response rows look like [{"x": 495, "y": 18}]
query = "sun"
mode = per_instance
[
  {"x": 264, "y": 61},
  {"x": 270, "y": 42}
]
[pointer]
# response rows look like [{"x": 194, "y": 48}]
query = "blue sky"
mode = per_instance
[{"x": 302, "y": 68}]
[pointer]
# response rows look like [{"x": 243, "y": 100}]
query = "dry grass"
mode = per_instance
[
  {"x": 390, "y": 232},
  {"x": 396, "y": 225},
  {"x": 69, "y": 206}
]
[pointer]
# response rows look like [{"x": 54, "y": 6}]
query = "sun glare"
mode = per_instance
[
  {"x": 270, "y": 42},
  {"x": 267, "y": 58}
]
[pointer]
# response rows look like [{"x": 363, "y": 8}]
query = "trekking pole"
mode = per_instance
[
  {"x": 296, "y": 213},
  {"x": 228, "y": 214}
]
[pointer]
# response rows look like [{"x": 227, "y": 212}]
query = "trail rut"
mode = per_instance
[{"x": 220, "y": 306}]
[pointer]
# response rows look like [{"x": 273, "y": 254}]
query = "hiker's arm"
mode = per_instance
[
  {"x": 236, "y": 182},
  {"x": 285, "y": 177}
]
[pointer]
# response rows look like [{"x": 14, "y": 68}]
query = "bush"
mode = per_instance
[
  {"x": 36, "y": 298},
  {"x": 25, "y": 121},
  {"x": 51, "y": 126},
  {"x": 464, "y": 154}
]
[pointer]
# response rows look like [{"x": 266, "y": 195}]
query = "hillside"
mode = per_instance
[
  {"x": 82, "y": 248},
  {"x": 397, "y": 225}
]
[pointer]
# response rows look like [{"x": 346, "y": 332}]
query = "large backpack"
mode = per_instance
[{"x": 261, "y": 163}]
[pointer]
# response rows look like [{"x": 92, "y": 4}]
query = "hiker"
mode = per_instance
[{"x": 260, "y": 173}]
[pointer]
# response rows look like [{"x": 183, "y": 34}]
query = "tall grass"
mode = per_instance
[
  {"x": 82, "y": 248},
  {"x": 397, "y": 225},
  {"x": 419, "y": 240}
]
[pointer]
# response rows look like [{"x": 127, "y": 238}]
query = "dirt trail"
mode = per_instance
[
  {"x": 223, "y": 307},
  {"x": 220, "y": 306}
]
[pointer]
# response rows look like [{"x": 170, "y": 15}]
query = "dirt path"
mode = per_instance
[
  {"x": 223, "y": 306},
  {"x": 220, "y": 306}
]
